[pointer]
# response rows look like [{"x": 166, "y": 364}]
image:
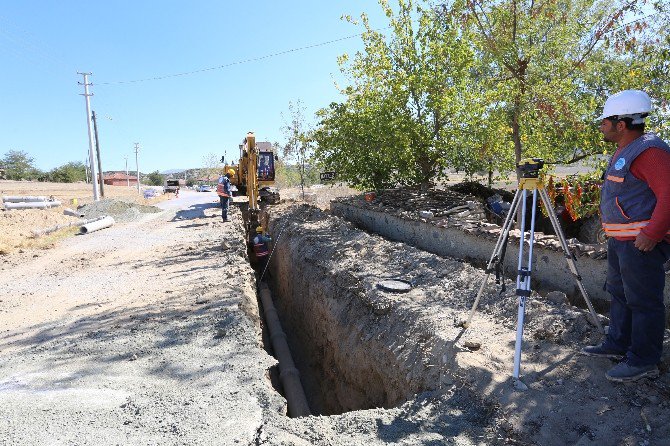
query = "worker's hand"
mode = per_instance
[{"x": 644, "y": 243}]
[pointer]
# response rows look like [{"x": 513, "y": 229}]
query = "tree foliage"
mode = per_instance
[
  {"x": 68, "y": 173},
  {"x": 18, "y": 165},
  {"x": 406, "y": 105},
  {"x": 551, "y": 65},
  {"x": 478, "y": 85},
  {"x": 155, "y": 178}
]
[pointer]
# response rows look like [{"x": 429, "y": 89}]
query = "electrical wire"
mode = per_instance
[{"x": 239, "y": 62}]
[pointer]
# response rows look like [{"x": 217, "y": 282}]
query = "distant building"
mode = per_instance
[
  {"x": 207, "y": 179},
  {"x": 119, "y": 179}
]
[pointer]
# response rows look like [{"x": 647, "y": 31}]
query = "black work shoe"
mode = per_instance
[
  {"x": 623, "y": 372},
  {"x": 226, "y": 220},
  {"x": 599, "y": 351}
]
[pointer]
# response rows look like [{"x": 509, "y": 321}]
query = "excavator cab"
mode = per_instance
[{"x": 266, "y": 166}]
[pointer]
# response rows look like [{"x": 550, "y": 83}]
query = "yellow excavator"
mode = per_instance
[{"x": 255, "y": 178}]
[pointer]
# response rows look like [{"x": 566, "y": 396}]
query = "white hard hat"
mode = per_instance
[{"x": 633, "y": 104}]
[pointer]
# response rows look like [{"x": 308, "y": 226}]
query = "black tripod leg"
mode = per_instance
[
  {"x": 568, "y": 256},
  {"x": 502, "y": 240}
]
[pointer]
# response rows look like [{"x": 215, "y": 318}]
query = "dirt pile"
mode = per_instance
[
  {"x": 122, "y": 211},
  {"x": 319, "y": 195},
  {"x": 363, "y": 347},
  {"x": 416, "y": 204}
]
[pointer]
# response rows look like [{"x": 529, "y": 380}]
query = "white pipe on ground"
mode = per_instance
[
  {"x": 40, "y": 232},
  {"x": 32, "y": 205},
  {"x": 73, "y": 213},
  {"x": 19, "y": 199},
  {"x": 97, "y": 225}
]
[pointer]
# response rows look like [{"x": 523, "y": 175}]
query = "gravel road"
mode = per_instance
[{"x": 144, "y": 333}]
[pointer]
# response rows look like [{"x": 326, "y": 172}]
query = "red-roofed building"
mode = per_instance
[{"x": 119, "y": 179}]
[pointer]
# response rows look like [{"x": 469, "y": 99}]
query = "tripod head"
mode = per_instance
[{"x": 530, "y": 167}]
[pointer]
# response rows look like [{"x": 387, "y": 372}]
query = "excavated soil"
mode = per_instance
[
  {"x": 359, "y": 347},
  {"x": 148, "y": 333}
]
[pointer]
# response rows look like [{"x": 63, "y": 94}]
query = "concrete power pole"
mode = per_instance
[
  {"x": 86, "y": 168},
  {"x": 97, "y": 151},
  {"x": 91, "y": 153},
  {"x": 127, "y": 177},
  {"x": 137, "y": 165}
]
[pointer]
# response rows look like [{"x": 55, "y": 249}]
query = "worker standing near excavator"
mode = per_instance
[
  {"x": 261, "y": 249},
  {"x": 225, "y": 193}
]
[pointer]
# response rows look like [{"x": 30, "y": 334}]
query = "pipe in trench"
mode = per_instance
[
  {"x": 97, "y": 225},
  {"x": 32, "y": 205},
  {"x": 20, "y": 199},
  {"x": 288, "y": 373}
]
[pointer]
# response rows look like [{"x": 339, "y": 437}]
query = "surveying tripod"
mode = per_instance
[{"x": 529, "y": 181}]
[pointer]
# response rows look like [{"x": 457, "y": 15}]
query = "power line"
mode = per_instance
[{"x": 239, "y": 62}]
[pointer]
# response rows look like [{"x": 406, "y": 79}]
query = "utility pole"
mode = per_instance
[
  {"x": 97, "y": 151},
  {"x": 127, "y": 177},
  {"x": 86, "y": 168},
  {"x": 91, "y": 153},
  {"x": 137, "y": 165}
]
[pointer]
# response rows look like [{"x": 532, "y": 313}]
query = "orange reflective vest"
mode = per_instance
[
  {"x": 223, "y": 188},
  {"x": 626, "y": 203},
  {"x": 221, "y": 191}
]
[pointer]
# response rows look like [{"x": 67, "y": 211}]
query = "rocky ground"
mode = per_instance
[
  {"x": 144, "y": 333},
  {"x": 365, "y": 347},
  {"x": 148, "y": 333}
]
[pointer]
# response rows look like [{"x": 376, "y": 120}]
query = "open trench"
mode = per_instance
[{"x": 356, "y": 346}]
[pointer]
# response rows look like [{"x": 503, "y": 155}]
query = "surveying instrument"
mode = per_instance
[{"x": 530, "y": 181}]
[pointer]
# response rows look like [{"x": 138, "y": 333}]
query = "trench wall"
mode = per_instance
[
  {"x": 550, "y": 270},
  {"x": 344, "y": 332}
]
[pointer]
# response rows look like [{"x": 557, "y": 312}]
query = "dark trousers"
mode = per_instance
[
  {"x": 262, "y": 263},
  {"x": 224, "y": 207},
  {"x": 636, "y": 279}
]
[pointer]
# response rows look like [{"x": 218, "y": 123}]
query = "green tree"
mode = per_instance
[
  {"x": 478, "y": 85},
  {"x": 156, "y": 178},
  {"x": 68, "y": 173},
  {"x": 407, "y": 108},
  {"x": 19, "y": 165},
  {"x": 548, "y": 66}
]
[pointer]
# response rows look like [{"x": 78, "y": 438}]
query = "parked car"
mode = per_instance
[
  {"x": 203, "y": 188},
  {"x": 150, "y": 193}
]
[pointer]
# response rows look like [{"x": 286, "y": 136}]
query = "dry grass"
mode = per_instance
[{"x": 16, "y": 226}]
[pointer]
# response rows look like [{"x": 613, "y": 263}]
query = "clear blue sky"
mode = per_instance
[{"x": 177, "y": 120}]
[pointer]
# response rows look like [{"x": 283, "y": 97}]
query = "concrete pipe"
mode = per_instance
[
  {"x": 32, "y": 205},
  {"x": 288, "y": 373},
  {"x": 97, "y": 225},
  {"x": 40, "y": 232},
  {"x": 19, "y": 199},
  {"x": 73, "y": 213}
]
